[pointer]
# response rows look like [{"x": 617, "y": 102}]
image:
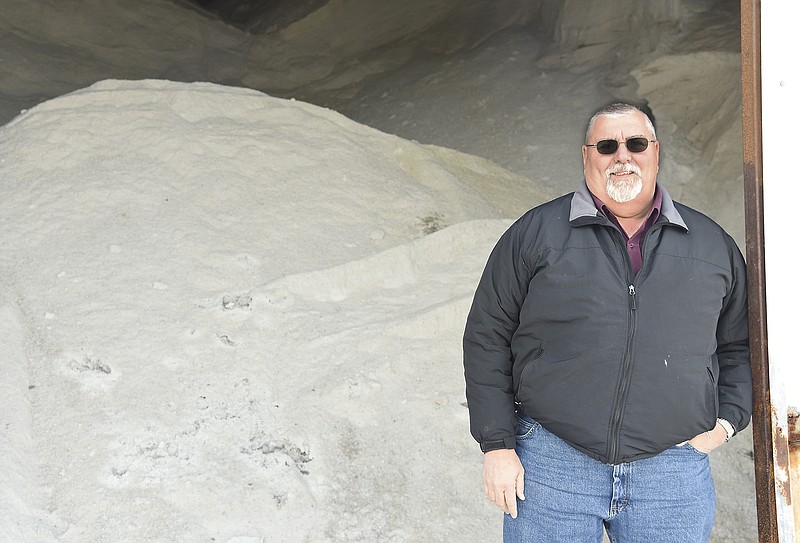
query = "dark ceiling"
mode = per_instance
[{"x": 259, "y": 16}]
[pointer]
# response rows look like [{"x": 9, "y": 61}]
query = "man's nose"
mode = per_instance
[{"x": 622, "y": 154}]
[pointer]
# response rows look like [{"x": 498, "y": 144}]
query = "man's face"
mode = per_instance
[{"x": 622, "y": 176}]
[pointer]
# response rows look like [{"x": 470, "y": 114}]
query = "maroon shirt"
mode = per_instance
[{"x": 633, "y": 243}]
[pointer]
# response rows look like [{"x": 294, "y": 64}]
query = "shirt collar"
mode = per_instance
[
  {"x": 583, "y": 209},
  {"x": 652, "y": 216}
]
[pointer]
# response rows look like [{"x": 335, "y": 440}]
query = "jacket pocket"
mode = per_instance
[
  {"x": 524, "y": 369},
  {"x": 712, "y": 397}
]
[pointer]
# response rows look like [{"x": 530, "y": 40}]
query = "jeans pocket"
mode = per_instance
[
  {"x": 526, "y": 426},
  {"x": 689, "y": 447}
]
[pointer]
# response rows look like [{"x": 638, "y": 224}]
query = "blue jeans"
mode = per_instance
[{"x": 570, "y": 497}]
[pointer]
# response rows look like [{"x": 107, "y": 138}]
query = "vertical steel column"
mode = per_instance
[
  {"x": 776, "y": 432},
  {"x": 794, "y": 469},
  {"x": 754, "y": 234}
]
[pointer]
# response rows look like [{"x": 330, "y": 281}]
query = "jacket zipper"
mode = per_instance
[
  {"x": 627, "y": 362},
  {"x": 624, "y": 382}
]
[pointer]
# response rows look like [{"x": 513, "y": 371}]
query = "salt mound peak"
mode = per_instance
[{"x": 251, "y": 171}]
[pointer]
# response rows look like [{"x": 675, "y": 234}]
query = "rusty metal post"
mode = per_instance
[
  {"x": 754, "y": 250},
  {"x": 794, "y": 467},
  {"x": 775, "y": 432}
]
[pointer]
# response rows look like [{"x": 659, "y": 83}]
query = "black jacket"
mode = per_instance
[{"x": 621, "y": 367}]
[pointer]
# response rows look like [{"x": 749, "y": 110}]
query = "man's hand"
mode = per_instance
[
  {"x": 503, "y": 479},
  {"x": 708, "y": 441}
]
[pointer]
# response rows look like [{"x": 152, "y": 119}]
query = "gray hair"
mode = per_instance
[{"x": 616, "y": 110}]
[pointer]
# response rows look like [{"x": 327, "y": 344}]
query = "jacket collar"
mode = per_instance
[{"x": 582, "y": 208}]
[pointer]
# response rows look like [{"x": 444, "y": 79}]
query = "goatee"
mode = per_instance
[{"x": 625, "y": 189}]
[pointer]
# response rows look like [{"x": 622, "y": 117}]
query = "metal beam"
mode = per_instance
[
  {"x": 776, "y": 432},
  {"x": 794, "y": 468},
  {"x": 754, "y": 250}
]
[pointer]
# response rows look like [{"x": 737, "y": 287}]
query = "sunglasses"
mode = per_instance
[{"x": 609, "y": 147}]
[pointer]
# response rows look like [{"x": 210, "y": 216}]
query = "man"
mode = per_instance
[{"x": 606, "y": 354}]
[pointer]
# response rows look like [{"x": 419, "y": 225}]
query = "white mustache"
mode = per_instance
[{"x": 619, "y": 167}]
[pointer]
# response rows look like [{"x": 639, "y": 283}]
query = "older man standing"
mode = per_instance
[{"x": 606, "y": 354}]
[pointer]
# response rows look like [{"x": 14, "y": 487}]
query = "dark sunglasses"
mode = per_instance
[{"x": 609, "y": 147}]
